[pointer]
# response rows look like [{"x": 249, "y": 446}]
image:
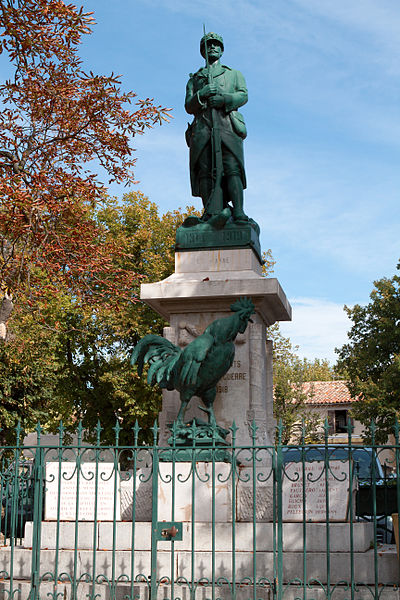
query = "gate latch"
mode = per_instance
[{"x": 168, "y": 531}]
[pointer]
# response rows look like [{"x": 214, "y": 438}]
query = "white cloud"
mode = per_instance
[
  {"x": 336, "y": 58},
  {"x": 318, "y": 327},
  {"x": 380, "y": 18}
]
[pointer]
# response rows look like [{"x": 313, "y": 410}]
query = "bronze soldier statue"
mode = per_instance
[{"x": 215, "y": 138}]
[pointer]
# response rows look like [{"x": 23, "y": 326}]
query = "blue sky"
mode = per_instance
[{"x": 323, "y": 118}]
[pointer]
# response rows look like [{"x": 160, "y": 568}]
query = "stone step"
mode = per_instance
[
  {"x": 315, "y": 533},
  {"x": 198, "y": 565},
  {"x": 140, "y": 591}
]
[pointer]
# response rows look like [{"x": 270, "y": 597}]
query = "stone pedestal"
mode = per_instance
[
  {"x": 204, "y": 285},
  {"x": 108, "y": 554}
]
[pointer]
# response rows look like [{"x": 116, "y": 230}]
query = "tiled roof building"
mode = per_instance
[
  {"x": 328, "y": 392},
  {"x": 332, "y": 400}
]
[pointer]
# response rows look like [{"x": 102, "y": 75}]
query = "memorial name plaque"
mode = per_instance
[
  {"x": 314, "y": 482},
  {"x": 106, "y": 495}
]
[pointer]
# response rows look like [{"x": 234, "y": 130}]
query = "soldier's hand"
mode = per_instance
[
  {"x": 216, "y": 101},
  {"x": 208, "y": 90}
]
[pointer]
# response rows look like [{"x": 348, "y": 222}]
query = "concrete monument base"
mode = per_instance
[
  {"x": 194, "y": 493},
  {"x": 204, "y": 285},
  {"x": 340, "y": 542},
  {"x": 111, "y": 555}
]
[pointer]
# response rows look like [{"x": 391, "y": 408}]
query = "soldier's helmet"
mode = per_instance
[{"x": 210, "y": 36}]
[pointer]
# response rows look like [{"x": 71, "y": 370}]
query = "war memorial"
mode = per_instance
[{"x": 210, "y": 509}]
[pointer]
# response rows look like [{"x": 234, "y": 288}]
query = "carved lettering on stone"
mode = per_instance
[
  {"x": 315, "y": 494},
  {"x": 106, "y": 493}
]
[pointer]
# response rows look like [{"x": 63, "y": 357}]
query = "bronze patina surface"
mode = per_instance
[
  {"x": 196, "y": 369},
  {"x": 215, "y": 139}
]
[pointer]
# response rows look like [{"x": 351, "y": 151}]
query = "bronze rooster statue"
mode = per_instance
[{"x": 196, "y": 369}]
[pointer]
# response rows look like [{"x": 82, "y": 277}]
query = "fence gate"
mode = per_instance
[{"x": 213, "y": 528}]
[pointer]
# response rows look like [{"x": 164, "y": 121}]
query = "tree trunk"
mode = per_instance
[{"x": 6, "y": 308}]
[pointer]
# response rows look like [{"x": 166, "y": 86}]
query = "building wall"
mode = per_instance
[{"x": 328, "y": 408}]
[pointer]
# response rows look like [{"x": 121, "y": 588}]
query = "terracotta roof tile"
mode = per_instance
[{"x": 328, "y": 392}]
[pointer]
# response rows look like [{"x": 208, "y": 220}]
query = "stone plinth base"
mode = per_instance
[
  {"x": 122, "y": 554},
  {"x": 292, "y": 537},
  {"x": 204, "y": 278},
  {"x": 204, "y": 285},
  {"x": 141, "y": 591},
  {"x": 233, "y": 494},
  {"x": 114, "y": 556}
]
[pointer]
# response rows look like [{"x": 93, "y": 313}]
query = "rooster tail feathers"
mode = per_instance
[
  {"x": 161, "y": 355},
  {"x": 137, "y": 356},
  {"x": 151, "y": 375},
  {"x": 156, "y": 352},
  {"x": 165, "y": 373},
  {"x": 149, "y": 346}
]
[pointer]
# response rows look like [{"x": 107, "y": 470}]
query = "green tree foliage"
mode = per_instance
[
  {"x": 371, "y": 358},
  {"x": 57, "y": 123},
  {"x": 68, "y": 359},
  {"x": 62, "y": 267},
  {"x": 29, "y": 375},
  {"x": 290, "y": 373}
]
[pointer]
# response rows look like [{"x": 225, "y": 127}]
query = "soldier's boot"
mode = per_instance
[{"x": 235, "y": 193}]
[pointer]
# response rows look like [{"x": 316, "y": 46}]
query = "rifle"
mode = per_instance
[{"x": 215, "y": 201}]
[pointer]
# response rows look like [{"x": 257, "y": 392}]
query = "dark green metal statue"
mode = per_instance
[
  {"x": 215, "y": 138},
  {"x": 196, "y": 369}
]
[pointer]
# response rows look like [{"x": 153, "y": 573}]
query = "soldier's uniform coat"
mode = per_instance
[{"x": 232, "y": 86}]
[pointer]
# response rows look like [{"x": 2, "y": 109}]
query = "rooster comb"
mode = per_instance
[{"x": 244, "y": 306}]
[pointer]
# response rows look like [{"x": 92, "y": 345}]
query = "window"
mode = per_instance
[{"x": 337, "y": 420}]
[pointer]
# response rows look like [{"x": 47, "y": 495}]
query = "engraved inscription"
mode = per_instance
[
  {"x": 86, "y": 482},
  {"x": 222, "y": 389},
  {"x": 232, "y": 236},
  {"x": 216, "y": 260},
  {"x": 194, "y": 238},
  {"x": 315, "y": 492},
  {"x": 234, "y": 376}
]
